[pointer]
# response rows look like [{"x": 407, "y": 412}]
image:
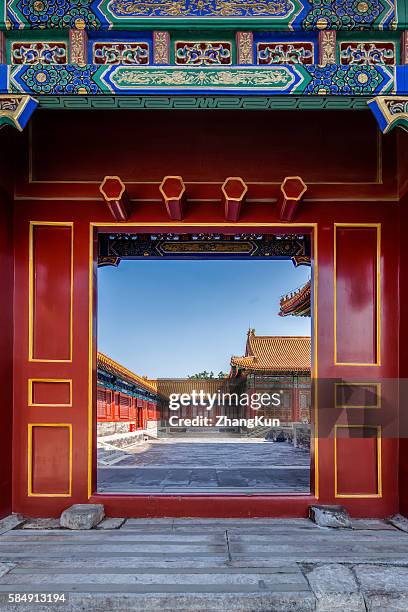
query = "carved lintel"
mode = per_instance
[
  {"x": 115, "y": 195},
  {"x": 234, "y": 191},
  {"x": 245, "y": 47},
  {"x": 173, "y": 191},
  {"x": 292, "y": 191},
  {"x": 16, "y": 110},
  {"x": 78, "y": 46},
  {"x": 327, "y": 47},
  {"x": 161, "y": 47}
]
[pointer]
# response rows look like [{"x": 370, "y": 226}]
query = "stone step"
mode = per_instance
[
  {"x": 215, "y": 600},
  {"x": 203, "y": 579}
]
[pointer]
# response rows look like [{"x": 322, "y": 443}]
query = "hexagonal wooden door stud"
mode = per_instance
[
  {"x": 293, "y": 189},
  {"x": 234, "y": 191},
  {"x": 173, "y": 191},
  {"x": 114, "y": 193}
]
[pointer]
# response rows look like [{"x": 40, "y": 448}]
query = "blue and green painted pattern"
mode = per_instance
[
  {"x": 41, "y": 79},
  {"x": 273, "y": 14}
]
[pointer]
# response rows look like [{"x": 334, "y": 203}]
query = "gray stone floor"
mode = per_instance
[
  {"x": 174, "y": 465},
  {"x": 209, "y": 565}
]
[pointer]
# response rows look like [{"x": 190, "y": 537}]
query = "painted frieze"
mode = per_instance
[
  {"x": 278, "y": 14},
  {"x": 369, "y": 52},
  {"x": 269, "y": 80},
  {"x": 352, "y": 15},
  {"x": 200, "y": 53},
  {"x": 127, "y": 53},
  {"x": 285, "y": 53},
  {"x": 28, "y": 52}
]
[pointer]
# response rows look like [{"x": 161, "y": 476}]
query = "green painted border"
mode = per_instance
[
  {"x": 402, "y": 13},
  {"x": 202, "y": 102}
]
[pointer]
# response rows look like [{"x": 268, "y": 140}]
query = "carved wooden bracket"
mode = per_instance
[
  {"x": 114, "y": 193},
  {"x": 173, "y": 191},
  {"x": 292, "y": 191},
  {"x": 234, "y": 191}
]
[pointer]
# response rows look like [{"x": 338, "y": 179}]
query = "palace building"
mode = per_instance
[
  {"x": 277, "y": 364},
  {"x": 125, "y": 398},
  {"x": 217, "y": 129}
]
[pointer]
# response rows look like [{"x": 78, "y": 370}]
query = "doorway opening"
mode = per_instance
[{"x": 204, "y": 364}]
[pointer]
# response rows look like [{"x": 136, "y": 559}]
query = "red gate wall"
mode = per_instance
[{"x": 356, "y": 323}]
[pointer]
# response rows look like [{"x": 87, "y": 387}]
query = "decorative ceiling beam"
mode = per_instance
[
  {"x": 16, "y": 110},
  {"x": 292, "y": 189},
  {"x": 173, "y": 191},
  {"x": 234, "y": 191},
  {"x": 390, "y": 112},
  {"x": 114, "y": 193}
]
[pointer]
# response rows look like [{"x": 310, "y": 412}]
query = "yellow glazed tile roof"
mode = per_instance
[{"x": 275, "y": 353}]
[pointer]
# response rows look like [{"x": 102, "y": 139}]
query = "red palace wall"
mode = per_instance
[
  {"x": 6, "y": 351},
  {"x": 116, "y": 407},
  {"x": 6, "y": 320},
  {"x": 352, "y": 214}
]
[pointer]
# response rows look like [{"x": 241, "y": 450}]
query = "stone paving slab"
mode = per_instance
[{"x": 169, "y": 466}]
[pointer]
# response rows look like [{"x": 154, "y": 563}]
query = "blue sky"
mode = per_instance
[{"x": 175, "y": 318}]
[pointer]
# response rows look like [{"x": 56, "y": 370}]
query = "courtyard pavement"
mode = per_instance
[
  {"x": 197, "y": 465},
  {"x": 208, "y": 565}
]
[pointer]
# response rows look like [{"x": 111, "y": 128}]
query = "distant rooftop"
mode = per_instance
[{"x": 275, "y": 353}]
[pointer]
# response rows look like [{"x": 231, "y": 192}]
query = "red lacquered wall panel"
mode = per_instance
[
  {"x": 356, "y": 299},
  {"x": 362, "y": 476},
  {"x": 50, "y": 460},
  {"x": 51, "y": 279}
]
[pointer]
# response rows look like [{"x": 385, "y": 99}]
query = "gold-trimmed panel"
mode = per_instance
[
  {"x": 379, "y": 464},
  {"x": 377, "y": 362},
  {"x": 31, "y": 403},
  {"x": 377, "y": 386},
  {"x": 30, "y": 427},
  {"x": 34, "y": 224}
]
